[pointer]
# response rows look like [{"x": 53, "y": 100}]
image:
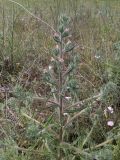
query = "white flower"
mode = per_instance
[
  {"x": 68, "y": 87},
  {"x": 97, "y": 56},
  {"x": 110, "y": 109},
  {"x": 44, "y": 70},
  {"x": 50, "y": 67},
  {"x": 65, "y": 114},
  {"x": 57, "y": 47},
  {"x": 67, "y": 30},
  {"x": 110, "y": 123},
  {"x": 68, "y": 98},
  {"x": 60, "y": 59},
  {"x": 52, "y": 59}
]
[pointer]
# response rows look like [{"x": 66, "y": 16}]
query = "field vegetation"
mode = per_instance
[{"x": 60, "y": 80}]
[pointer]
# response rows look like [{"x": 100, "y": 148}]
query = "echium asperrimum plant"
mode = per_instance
[{"x": 60, "y": 74}]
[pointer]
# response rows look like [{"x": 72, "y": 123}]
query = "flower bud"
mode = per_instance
[
  {"x": 56, "y": 51},
  {"x": 57, "y": 47},
  {"x": 69, "y": 46},
  {"x": 67, "y": 30},
  {"x": 110, "y": 109},
  {"x": 52, "y": 59},
  {"x": 56, "y": 37},
  {"x": 60, "y": 59},
  {"x": 65, "y": 33}
]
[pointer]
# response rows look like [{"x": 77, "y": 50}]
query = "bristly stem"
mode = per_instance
[
  {"x": 61, "y": 49},
  {"x": 60, "y": 97}
]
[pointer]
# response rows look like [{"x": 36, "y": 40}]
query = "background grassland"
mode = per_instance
[{"x": 25, "y": 50}]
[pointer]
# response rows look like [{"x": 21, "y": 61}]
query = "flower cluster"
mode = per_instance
[{"x": 111, "y": 111}]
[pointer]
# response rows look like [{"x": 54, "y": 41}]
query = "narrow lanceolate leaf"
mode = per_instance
[
  {"x": 76, "y": 116},
  {"x": 65, "y": 33},
  {"x": 57, "y": 39},
  {"x": 75, "y": 149},
  {"x": 69, "y": 46},
  {"x": 61, "y": 28}
]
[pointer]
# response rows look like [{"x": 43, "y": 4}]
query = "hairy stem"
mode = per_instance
[{"x": 61, "y": 99}]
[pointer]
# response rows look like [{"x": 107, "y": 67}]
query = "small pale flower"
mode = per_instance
[
  {"x": 56, "y": 34},
  {"x": 67, "y": 30},
  {"x": 57, "y": 47},
  {"x": 50, "y": 67},
  {"x": 110, "y": 123},
  {"x": 97, "y": 56},
  {"x": 68, "y": 98},
  {"x": 65, "y": 114},
  {"x": 44, "y": 70},
  {"x": 52, "y": 59},
  {"x": 110, "y": 109},
  {"x": 68, "y": 87},
  {"x": 60, "y": 59}
]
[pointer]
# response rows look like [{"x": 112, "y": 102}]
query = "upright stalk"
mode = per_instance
[
  {"x": 58, "y": 59},
  {"x": 60, "y": 97}
]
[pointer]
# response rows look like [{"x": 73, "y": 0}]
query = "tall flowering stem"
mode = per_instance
[
  {"x": 60, "y": 96},
  {"x": 58, "y": 78},
  {"x": 60, "y": 89}
]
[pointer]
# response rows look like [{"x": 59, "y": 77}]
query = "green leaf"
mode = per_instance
[
  {"x": 69, "y": 47},
  {"x": 56, "y": 51},
  {"x": 61, "y": 28},
  {"x": 65, "y": 33}
]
